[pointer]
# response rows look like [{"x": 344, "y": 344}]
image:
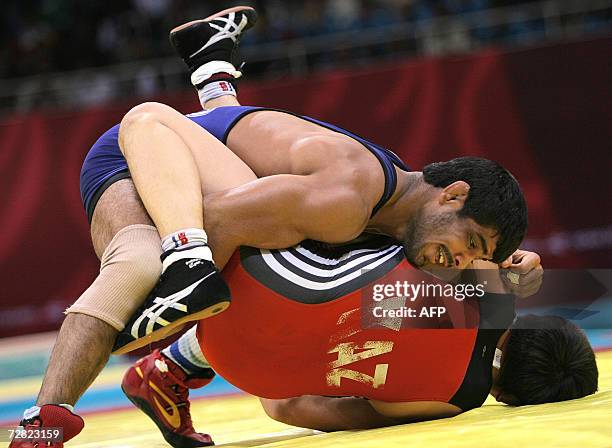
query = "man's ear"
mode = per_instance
[{"x": 454, "y": 194}]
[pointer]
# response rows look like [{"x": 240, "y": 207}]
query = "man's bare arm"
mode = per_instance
[
  {"x": 326, "y": 414},
  {"x": 337, "y": 414},
  {"x": 282, "y": 210}
]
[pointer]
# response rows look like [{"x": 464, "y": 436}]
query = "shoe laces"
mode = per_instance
[
  {"x": 183, "y": 405},
  {"x": 33, "y": 421},
  {"x": 178, "y": 387}
]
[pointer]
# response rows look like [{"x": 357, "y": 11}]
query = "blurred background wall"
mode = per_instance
[{"x": 525, "y": 84}]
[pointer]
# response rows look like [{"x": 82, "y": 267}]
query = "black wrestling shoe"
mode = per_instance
[
  {"x": 190, "y": 289},
  {"x": 213, "y": 39}
]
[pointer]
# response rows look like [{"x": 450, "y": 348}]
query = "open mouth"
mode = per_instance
[{"x": 443, "y": 257}]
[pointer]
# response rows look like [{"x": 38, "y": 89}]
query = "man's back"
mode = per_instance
[{"x": 304, "y": 324}]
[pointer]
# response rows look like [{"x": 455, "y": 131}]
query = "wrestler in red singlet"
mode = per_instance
[{"x": 298, "y": 325}]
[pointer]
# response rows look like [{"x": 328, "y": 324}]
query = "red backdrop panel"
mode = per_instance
[{"x": 543, "y": 113}]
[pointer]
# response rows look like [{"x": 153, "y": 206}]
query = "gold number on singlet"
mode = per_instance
[{"x": 347, "y": 355}]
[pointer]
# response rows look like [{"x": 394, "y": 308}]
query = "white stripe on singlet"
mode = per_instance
[
  {"x": 332, "y": 278},
  {"x": 357, "y": 257}
]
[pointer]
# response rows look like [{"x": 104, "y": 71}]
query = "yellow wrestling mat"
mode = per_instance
[{"x": 238, "y": 421}]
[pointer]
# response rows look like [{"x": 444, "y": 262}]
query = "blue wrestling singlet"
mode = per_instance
[{"x": 105, "y": 164}]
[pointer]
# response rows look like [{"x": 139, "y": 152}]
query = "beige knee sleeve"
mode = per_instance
[{"x": 130, "y": 268}]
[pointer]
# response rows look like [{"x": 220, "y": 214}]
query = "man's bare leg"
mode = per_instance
[
  {"x": 161, "y": 149},
  {"x": 162, "y": 167},
  {"x": 170, "y": 158},
  {"x": 81, "y": 350},
  {"x": 84, "y": 342},
  {"x": 150, "y": 137}
]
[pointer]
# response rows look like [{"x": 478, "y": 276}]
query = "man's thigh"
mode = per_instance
[
  {"x": 118, "y": 207},
  {"x": 219, "y": 168},
  {"x": 128, "y": 246}
]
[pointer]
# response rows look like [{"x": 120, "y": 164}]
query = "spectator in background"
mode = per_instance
[{"x": 42, "y": 36}]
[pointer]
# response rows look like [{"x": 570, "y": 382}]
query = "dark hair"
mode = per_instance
[
  {"x": 547, "y": 359},
  {"x": 495, "y": 199}
]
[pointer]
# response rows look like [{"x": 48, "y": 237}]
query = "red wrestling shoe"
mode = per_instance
[
  {"x": 40, "y": 431},
  {"x": 160, "y": 388}
]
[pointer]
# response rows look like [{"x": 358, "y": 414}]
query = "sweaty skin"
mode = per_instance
[{"x": 320, "y": 185}]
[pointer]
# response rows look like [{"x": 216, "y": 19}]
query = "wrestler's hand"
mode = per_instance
[{"x": 522, "y": 273}]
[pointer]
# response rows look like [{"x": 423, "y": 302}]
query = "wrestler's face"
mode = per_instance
[{"x": 439, "y": 238}]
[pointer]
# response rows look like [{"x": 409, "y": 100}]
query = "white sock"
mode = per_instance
[
  {"x": 185, "y": 244},
  {"x": 187, "y": 354},
  {"x": 184, "y": 239},
  {"x": 215, "y": 89},
  {"x": 208, "y": 70},
  {"x": 34, "y": 411},
  {"x": 211, "y": 80}
]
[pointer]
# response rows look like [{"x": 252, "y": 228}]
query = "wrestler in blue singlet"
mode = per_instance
[{"x": 105, "y": 164}]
